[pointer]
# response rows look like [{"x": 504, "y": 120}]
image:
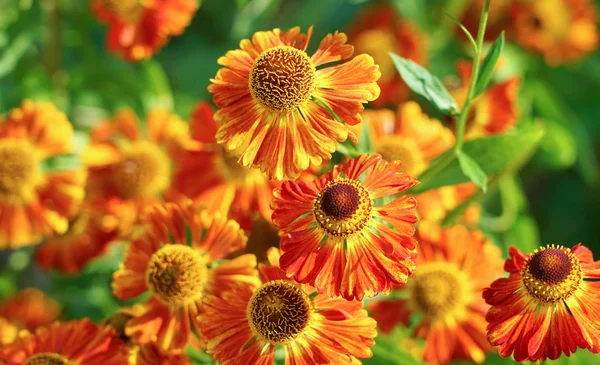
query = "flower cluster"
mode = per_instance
[{"x": 289, "y": 223}]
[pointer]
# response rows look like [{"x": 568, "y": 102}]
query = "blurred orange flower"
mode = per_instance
[
  {"x": 549, "y": 304},
  {"x": 380, "y": 30},
  {"x": 271, "y": 95},
  {"x": 335, "y": 237},
  {"x": 30, "y": 309},
  {"x": 455, "y": 265},
  {"x": 494, "y": 111},
  {"x": 214, "y": 179},
  {"x": 35, "y": 202},
  {"x": 245, "y": 324},
  {"x": 74, "y": 342},
  {"x": 139, "y": 28},
  {"x": 561, "y": 30},
  {"x": 178, "y": 259},
  {"x": 89, "y": 234},
  {"x": 150, "y": 354},
  {"x": 136, "y": 169}
]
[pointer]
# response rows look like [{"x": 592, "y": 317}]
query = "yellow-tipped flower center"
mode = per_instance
[
  {"x": 279, "y": 311},
  {"x": 343, "y": 207},
  {"x": 128, "y": 10},
  {"x": 176, "y": 274},
  {"x": 19, "y": 168},
  {"x": 46, "y": 358},
  {"x": 282, "y": 78},
  {"x": 439, "y": 289},
  {"x": 552, "y": 274},
  {"x": 143, "y": 172},
  {"x": 396, "y": 148},
  {"x": 378, "y": 44}
]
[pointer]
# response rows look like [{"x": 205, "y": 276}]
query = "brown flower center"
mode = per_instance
[
  {"x": 438, "y": 289},
  {"x": 176, "y": 274},
  {"x": 128, "y": 10},
  {"x": 552, "y": 274},
  {"x": 282, "y": 78},
  {"x": 396, "y": 148},
  {"x": 19, "y": 168},
  {"x": 46, "y": 358},
  {"x": 143, "y": 172},
  {"x": 343, "y": 207},
  {"x": 279, "y": 311}
]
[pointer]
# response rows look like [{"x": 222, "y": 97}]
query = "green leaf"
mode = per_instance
[
  {"x": 488, "y": 65},
  {"x": 558, "y": 148},
  {"x": 472, "y": 170},
  {"x": 13, "y": 54},
  {"x": 493, "y": 154},
  {"x": 465, "y": 31},
  {"x": 425, "y": 84},
  {"x": 158, "y": 89}
]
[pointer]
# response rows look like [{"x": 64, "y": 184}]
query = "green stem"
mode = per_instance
[{"x": 462, "y": 119}]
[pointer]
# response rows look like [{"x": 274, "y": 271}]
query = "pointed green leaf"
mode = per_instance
[
  {"x": 425, "y": 84},
  {"x": 488, "y": 65},
  {"x": 493, "y": 154},
  {"x": 472, "y": 170}
]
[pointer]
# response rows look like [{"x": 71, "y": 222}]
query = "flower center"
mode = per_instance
[
  {"x": 378, "y": 43},
  {"x": 19, "y": 170},
  {"x": 343, "y": 207},
  {"x": 396, "y": 148},
  {"x": 438, "y": 289},
  {"x": 128, "y": 10},
  {"x": 176, "y": 274},
  {"x": 282, "y": 78},
  {"x": 279, "y": 311},
  {"x": 46, "y": 358},
  {"x": 552, "y": 274},
  {"x": 143, "y": 172}
]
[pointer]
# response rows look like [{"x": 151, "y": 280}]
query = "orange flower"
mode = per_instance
[
  {"x": 150, "y": 354},
  {"x": 270, "y": 93},
  {"x": 89, "y": 234},
  {"x": 30, "y": 309},
  {"x": 454, "y": 267},
  {"x": 8, "y": 332},
  {"x": 246, "y": 324},
  {"x": 140, "y": 28},
  {"x": 124, "y": 164},
  {"x": 35, "y": 202},
  {"x": 561, "y": 30},
  {"x": 213, "y": 177},
  {"x": 415, "y": 139},
  {"x": 263, "y": 236},
  {"x": 74, "y": 342},
  {"x": 176, "y": 260},
  {"x": 494, "y": 111},
  {"x": 335, "y": 237},
  {"x": 380, "y": 30},
  {"x": 549, "y": 304}
]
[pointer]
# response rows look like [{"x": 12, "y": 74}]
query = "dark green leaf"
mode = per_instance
[
  {"x": 494, "y": 154},
  {"x": 488, "y": 65},
  {"x": 558, "y": 148},
  {"x": 472, "y": 170},
  {"x": 425, "y": 84},
  {"x": 13, "y": 54}
]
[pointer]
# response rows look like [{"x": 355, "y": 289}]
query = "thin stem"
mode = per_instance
[{"x": 462, "y": 119}]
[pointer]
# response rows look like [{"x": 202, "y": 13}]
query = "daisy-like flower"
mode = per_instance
[
  {"x": 212, "y": 176},
  {"x": 380, "y": 30},
  {"x": 74, "y": 342},
  {"x": 179, "y": 260},
  {"x": 90, "y": 232},
  {"x": 133, "y": 167},
  {"x": 494, "y": 111},
  {"x": 8, "y": 332},
  {"x": 247, "y": 323},
  {"x": 415, "y": 139},
  {"x": 334, "y": 235},
  {"x": 150, "y": 354},
  {"x": 139, "y": 28},
  {"x": 272, "y": 97},
  {"x": 549, "y": 304},
  {"x": 455, "y": 265},
  {"x": 561, "y": 30},
  {"x": 29, "y": 309},
  {"x": 35, "y": 202}
]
